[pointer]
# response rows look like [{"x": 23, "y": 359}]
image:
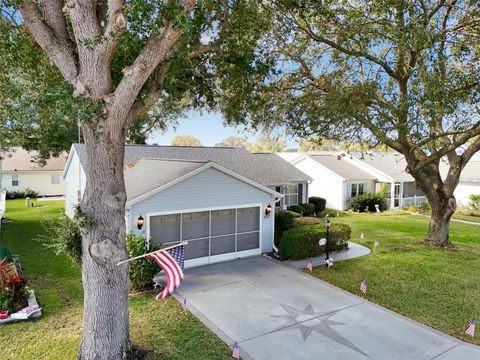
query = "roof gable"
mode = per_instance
[
  {"x": 150, "y": 176},
  {"x": 342, "y": 168}
]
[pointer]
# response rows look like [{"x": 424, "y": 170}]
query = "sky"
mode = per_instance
[{"x": 208, "y": 128}]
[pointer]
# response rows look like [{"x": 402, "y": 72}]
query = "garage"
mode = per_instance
[
  {"x": 221, "y": 214},
  {"x": 213, "y": 235}
]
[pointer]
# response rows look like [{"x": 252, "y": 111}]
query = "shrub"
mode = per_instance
[
  {"x": 22, "y": 194},
  {"x": 15, "y": 194},
  {"x": 366, "y": 202},
  {"x": 330, "y": 213},
  {"x": 320, "y": 203},
  {"x": 284, "y": 220},
  {"x": 62, "y": 235},
  {"x": 141, "y": 271},
  {"x": 296, "y": 208},
  {"x": 31, "y": 193},
  {"x": 308, "y": 209},
  {"x": 425, "y": 206},
  {"x": 474, "y": 201},
  {"x": 294, "y": 214},
  {"x": 413, "y": 209},
  {"x": 302, "y": 242}
]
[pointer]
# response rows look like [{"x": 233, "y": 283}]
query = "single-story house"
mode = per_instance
[
  {"x": 334, "y": 179},
  {"x": 337, "y": 176},
  {"x": 21, "y": 171},
  {"x": 389, "y": 168},
  {"x": 217, "y": 199},
  {"x": 469, "y": 183}
]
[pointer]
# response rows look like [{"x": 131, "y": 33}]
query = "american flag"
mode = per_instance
[
  {"x": 235, "y": 351},
  {"x": 171, "y": 262},
  {"x": 310, "y": 266},
  {"x": 363, "y": 286},
  {"x": 471, "y": 328}
]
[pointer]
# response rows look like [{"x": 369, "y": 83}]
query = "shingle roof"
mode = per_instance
[
  {"x": 265, "y": 169},
  {"x": 271, "y": 169},
  {"x": 392, "y": 164},
  {"x": 18, "y": 159},
  {"x": 149, "y": 174},
  {"x": 341, "y": 167}
]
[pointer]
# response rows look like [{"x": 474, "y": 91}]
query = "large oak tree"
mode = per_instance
[
  {"x": 113, "y": 65},
  {"x": 398, "y": 72}
]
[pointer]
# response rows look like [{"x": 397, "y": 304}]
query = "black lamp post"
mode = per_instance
[{"x": 327, "y": 225}]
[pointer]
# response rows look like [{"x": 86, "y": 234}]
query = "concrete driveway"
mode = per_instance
[{"x": 276, "y": 312}]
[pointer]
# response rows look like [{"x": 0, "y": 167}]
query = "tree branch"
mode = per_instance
[
  {"x": 53, "y": 17},
  {"x": 141, "y": 106},
  {"x": 59, "y": 51},
  {"x": 156, "y": 51},
  {"x": 356, "y": 53}
]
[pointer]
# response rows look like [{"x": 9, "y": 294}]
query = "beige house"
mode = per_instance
[{"x": 20, "y": 171}]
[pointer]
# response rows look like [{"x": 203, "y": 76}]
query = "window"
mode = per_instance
[
  {"x": 55, "y": 179},
  {"x": 291, "y": 195},
  {"x": 15, "y": 180},
  {"x": 357, "y": 189}
]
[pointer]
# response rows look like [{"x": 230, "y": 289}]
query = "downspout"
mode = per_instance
[{"x": 273, "y": 225}]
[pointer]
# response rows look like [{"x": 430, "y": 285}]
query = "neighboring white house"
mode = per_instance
[
  {"x": 334, "y": 179},
  {"x": 389, "y": 170},
  {"x": 469, "y": 183},
  {"x": 337, "y": 176},
  {"x": 21, "y": 171},
  {"x": 216, "y": 198}
]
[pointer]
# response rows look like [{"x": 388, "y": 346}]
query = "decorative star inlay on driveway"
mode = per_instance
[{"x": 307, "y": 321}]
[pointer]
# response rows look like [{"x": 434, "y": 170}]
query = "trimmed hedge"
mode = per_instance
[
  {"x": 320, "y": 203},
  {"x": 296, "y": 209},
  {"x": 308, "y": 209},
  {"x": 302, "y": 209},
  {"x": 22, "y": 194},
  {"x": 284, "y": 220},
  {"x": 366, "y": 202},
  {"x": 302, "y": 242}
]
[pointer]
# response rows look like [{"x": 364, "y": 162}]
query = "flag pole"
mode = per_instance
[{"x": 150, "y": 253}]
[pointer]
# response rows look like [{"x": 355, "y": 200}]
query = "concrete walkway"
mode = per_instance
[
  {"x": 354, "y": 251},
  {"x": 276, "y": 312},
  {"x": 453, "y": 219}
]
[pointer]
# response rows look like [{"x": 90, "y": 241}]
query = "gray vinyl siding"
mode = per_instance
[{"x": 208, "y": 189}]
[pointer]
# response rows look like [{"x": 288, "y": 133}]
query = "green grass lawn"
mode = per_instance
[
  {"x": 161, "y": 328},
  {"x": 438, "y": 287},
  {"x": 467, "y": 217}
]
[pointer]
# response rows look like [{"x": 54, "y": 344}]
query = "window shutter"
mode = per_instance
[{"x": 300, "y": 193}]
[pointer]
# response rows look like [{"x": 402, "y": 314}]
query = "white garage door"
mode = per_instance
[{"x": 212, "y": 235}]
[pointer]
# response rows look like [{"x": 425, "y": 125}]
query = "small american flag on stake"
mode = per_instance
[
  {"x": 171, "y": 262},
  {"x": 184, "y": 305},
  {"x": 309, "y": 265},
  {"x": 235, "y": 351},
  {"x": 363, "y": 286},
  {"x": 471, "y": 328}
]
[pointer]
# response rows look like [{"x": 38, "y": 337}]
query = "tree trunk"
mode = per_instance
[
  {"x": 439, "y": 229},
  {"x": 105, "y": 318}
]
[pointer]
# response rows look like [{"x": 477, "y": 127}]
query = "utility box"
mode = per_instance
[{"x": 27, "y": 202}]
